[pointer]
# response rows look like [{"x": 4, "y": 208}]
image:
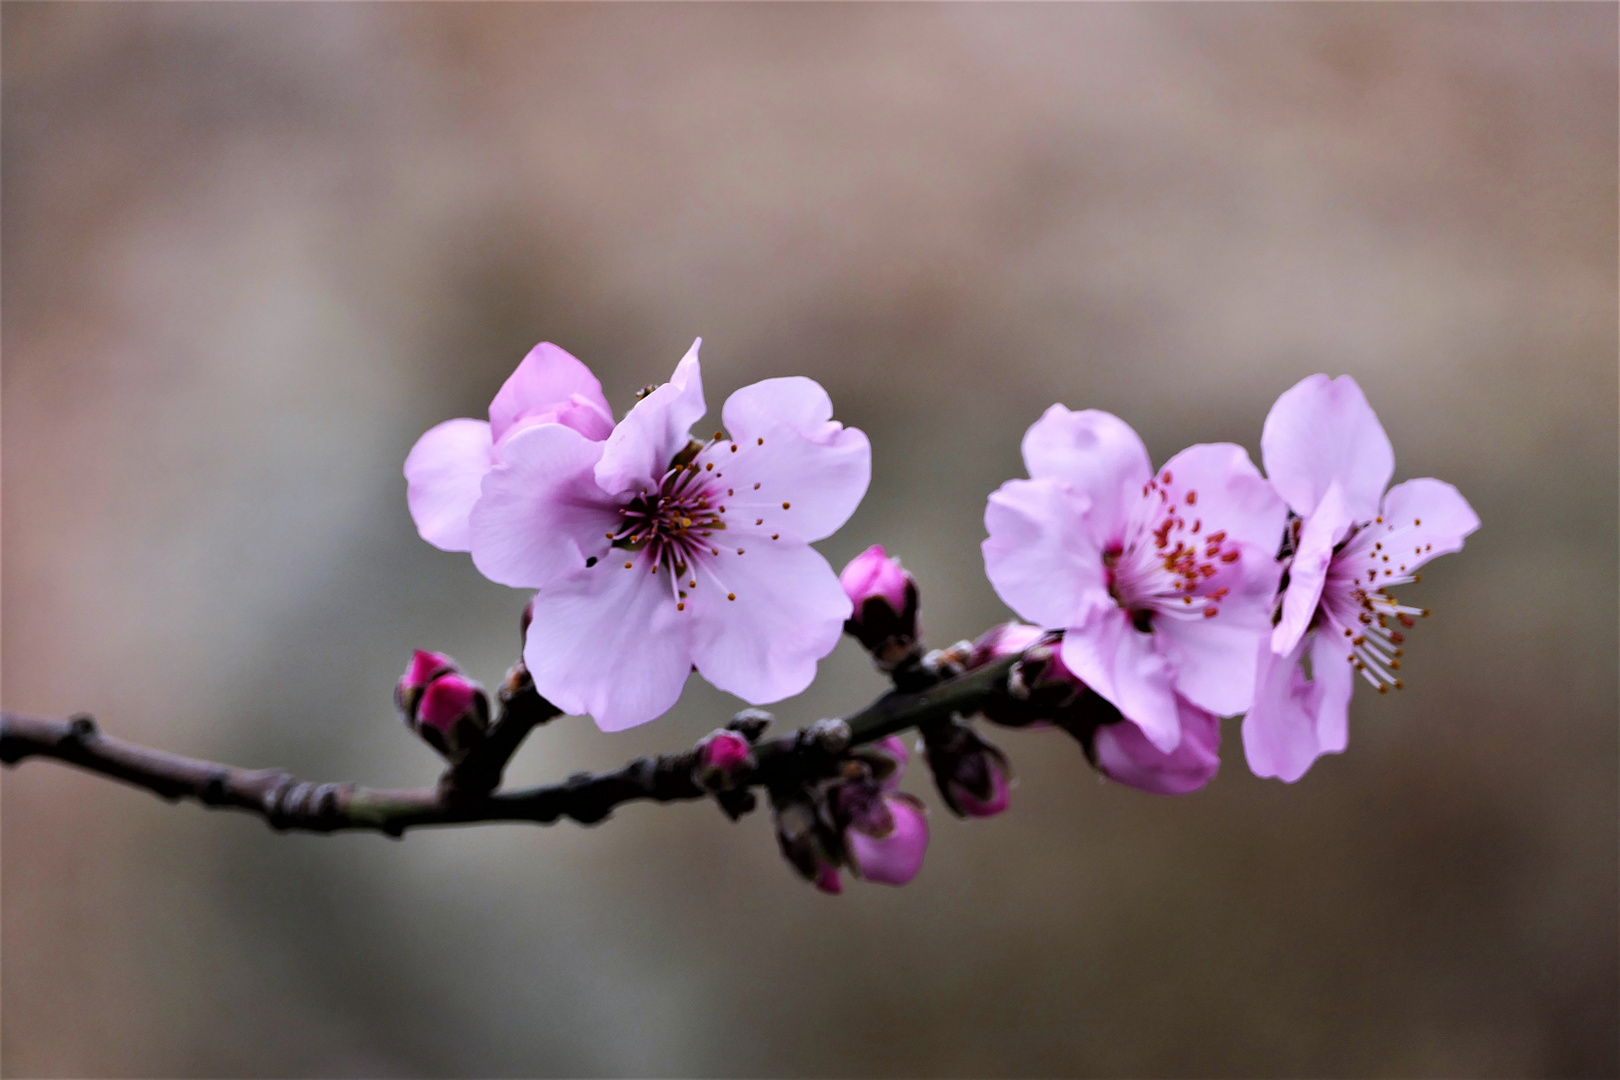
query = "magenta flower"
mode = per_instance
[
  {"x": 1161, "y": 582},
  {"x": 653, "y": 554},
  {"x": 445, "y": 469},
  {"x": 1327, "y": 455}
]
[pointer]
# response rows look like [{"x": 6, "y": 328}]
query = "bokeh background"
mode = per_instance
[{"x": 252, "y": 251}]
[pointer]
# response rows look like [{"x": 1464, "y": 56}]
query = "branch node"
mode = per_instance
[
  {"x": 750, "y": 723},
  {"x": 81, "y": 727}
]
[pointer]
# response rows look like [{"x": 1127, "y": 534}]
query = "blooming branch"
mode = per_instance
[{"x": 1159, "y": 600}]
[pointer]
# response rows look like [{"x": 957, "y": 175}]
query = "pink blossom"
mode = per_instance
[
  {"x": 1327, "y": 455},
  {"x": 874, "y": 575},
  {"x": 654, "y": 555},
  {"x": 445, "y": 469},
  {"x": 1122, "y": 753},
  {"x": 1162, "y": 582}
]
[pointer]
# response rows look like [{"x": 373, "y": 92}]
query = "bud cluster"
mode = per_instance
[
  {"x": 448, "y": 710},
  {"x": 855, "y": 820}
]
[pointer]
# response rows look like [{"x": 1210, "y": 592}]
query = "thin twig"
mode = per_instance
[{"x": 288, "y": 803}]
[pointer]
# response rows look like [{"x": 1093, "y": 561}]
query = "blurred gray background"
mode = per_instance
[{"x": 253, "y": 251}]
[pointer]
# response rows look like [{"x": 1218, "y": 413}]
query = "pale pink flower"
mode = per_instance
[
  {"x": 654, "y": 555},
  {"x": 1327, "y": 455},
  {"x": 1161, "y": 582},
  {"x": 445, "y": 469}
]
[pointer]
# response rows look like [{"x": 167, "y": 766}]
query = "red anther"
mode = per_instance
[
  {"x": 1217, "y": 537},
  {"x": 1211, "y": 612},
  {"x": 1192, "y": 498},
  {"x": 1406, "y": 620},
  {"x": 1231, "y": 556},
  {"x": 1167, "y": 476}
]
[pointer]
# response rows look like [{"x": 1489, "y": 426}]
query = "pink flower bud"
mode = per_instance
[
  {"x": 446, "y": 700},
  {"x": 828, "y": 881},
  {"x": 423, "y": 668},
  {"x": 1122, "y": 753},
  {"x": 1040, "y": 688},
  {"x": 724, "y": 750},
  {"x": 873, "y": 574},
  {"x": 999, "y": 794},
  {"x": 895, "y": 857},
  {"x": 884, "y": 596},
  {"x": 1008, "y": 639},
  {"x": 448, "y": 710},
  {"x": 722, "y": 757},
  {"x": 970, "y": 772}
]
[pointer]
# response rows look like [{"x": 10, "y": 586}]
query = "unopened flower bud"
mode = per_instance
[
  {"x": 884, "y": 596},
  {"x": 1119, "y": 750},
  {"x": 807, "y": 840},
  {"x": 723, "y": 757},
  {"x": 449, "y": 711},
  {"x": 1122, "y": 753},
  {"x": 971, "y": 773},
  {"x": 895, "y": 855},
  {"x": 1039, "y": 686}
]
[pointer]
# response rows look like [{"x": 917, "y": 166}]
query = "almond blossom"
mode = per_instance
[
  {"x": 1162, "y": 582},
  {"x": 653, "y": 554},
  {"x": 1328, "y": 456}
]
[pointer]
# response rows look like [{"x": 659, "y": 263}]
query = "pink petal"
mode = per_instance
[
  {"x": 806, "y": 459},
  {"x": 1124, "y": 754},
  {"x": 1120, "y": 663},
  {"x": 1039, "y": 556},
  {"x": 1212, "y": 660},
  {"x": 1324, "y": 528},
  {"x": 1232, "y": 496},
  {"x": 608, "y": 642},
  {"x": 1322, "y": 430},
  {"x": 1295, "y": 720},
  {"x": 541, "y": 514},
  {"x": 638, "y": 453},
  {"x": 788, "y": 613},
  {"x": 895, "y": 859},
  {"x": 1426, "y": 514},
  {"x": 551, "y": 386},
  {"x": 1216, "y": 485},
  {"x": 1098, "y": 455},
  {"x": 443, "y": 472}
]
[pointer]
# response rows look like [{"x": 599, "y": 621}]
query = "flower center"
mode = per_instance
[
  {"x": 1167, "y": 563},
  {"x": 1356, "y": 605},
  {"x": 674, "y": 527}
]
